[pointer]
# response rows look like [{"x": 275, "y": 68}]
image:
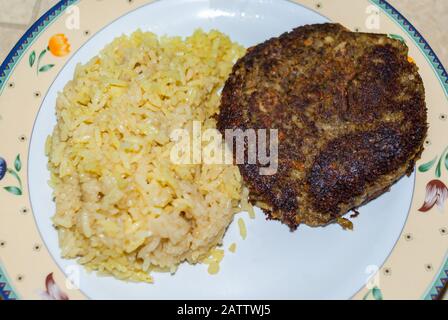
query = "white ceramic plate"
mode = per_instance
[{"x": 272, "y": 263}]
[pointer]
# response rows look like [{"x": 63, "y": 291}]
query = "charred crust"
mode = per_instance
[
  {"x": 351, "y": 114},
  {"x": 348, "y": 165}
]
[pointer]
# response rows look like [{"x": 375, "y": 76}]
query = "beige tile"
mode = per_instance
[
  {"x": 429, "y": 17},
  {"x": 8, "y": 38},
  {"x": 16, "y": 11},
  {"x": 45, "y": 6}
]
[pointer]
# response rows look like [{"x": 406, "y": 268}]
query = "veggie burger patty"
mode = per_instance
[{"x": 350, "y": 113}]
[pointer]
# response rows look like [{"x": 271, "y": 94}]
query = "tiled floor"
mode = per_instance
[
  {"x": 429, "y": 16},
  {"x": 15, "y": 18}
]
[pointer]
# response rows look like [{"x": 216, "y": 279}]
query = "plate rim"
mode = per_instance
[{"x": 16, "y": 54}]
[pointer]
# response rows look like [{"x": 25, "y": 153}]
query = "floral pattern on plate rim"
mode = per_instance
[
  {"x": 436, "y": 190},
  {"x": 58, "y": 46},
  {"x": 14, "y": 172}
]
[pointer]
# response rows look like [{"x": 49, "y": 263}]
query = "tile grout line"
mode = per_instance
[
  {"x": 11, "y": 25},
  {"x": 35, "y": 12}
]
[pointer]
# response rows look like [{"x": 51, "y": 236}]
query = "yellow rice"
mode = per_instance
[{"x": 122, "y": 208}]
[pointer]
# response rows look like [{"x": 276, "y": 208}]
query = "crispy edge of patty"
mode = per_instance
[{"x": 326, "y": 203}]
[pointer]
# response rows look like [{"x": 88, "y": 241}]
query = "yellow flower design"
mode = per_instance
[{"x": 59, "y": 45}]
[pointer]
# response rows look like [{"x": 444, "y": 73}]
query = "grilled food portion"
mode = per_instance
[{"x": 350, "y": 113}]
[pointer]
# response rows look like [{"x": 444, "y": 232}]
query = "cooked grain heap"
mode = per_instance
[
  {"x": 351, "y": 115},
  {"x": 122, "y": 207}
]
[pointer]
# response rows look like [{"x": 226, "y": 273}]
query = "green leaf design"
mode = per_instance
[
  {"x": 439, "y": 168},
  {"x": 427, "y": 166},
  {"x": 15, "y": 175},
  {"x": 18, "y": 163},
  {"x": 32, "y": 58},
  {"x": 397, "y": 37},
  {"x": 446, "y": 161},
  {"x": 14, "y": 190},
  {"x": 376, "y": 293},
  {"x": 46, "y": 68},
  {"x": 41, "y": 55}
]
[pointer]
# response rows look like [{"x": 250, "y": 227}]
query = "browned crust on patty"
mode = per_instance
[{"x": 351, "y": 114}]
